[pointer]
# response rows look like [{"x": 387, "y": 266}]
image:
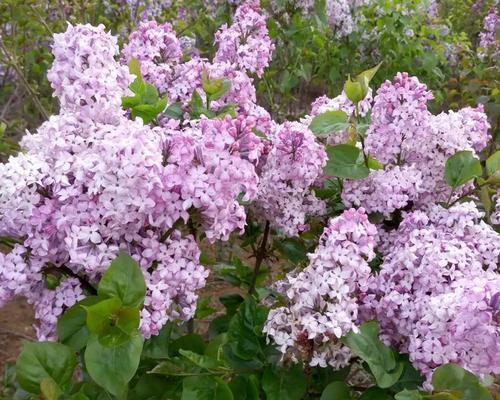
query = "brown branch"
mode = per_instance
[{"x": 259, "y": 257}]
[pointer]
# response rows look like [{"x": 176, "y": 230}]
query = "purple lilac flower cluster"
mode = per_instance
[
  {"x": 294, "y": 163},
  {"x": 90, "y": 183},
  {"x": 414, "y": 146},
  {"x": 435, "y": 293},
  {"x": 488, "y": 38},
  {"x": 321, "y": 301}
]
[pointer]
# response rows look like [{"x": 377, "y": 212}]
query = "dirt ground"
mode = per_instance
[{"x": 16, "y": 320}]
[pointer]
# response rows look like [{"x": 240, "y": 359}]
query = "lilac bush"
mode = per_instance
[{"x": 161, "y": 174}]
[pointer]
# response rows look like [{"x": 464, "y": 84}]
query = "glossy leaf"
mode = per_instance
[
  {"x": 461, "y": 168},
  {"x": 345, "y": 161},
  {"x": 72, "y": 325},
  {"x": 113, "y": 367},
  {"x": 452, "y": 377},
  {"x": 329, "y": 122},
  {"x": 45, "y": 360},
  {"x": 205, "y": 388},
  {"x": 123, "y": 279}
]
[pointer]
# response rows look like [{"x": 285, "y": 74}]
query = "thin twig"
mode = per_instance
[{"x": 26, "y": 84}]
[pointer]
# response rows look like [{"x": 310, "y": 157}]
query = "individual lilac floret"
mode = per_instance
[
  {"x": 322, "y": 300},
  {"x": 245, "y": 42},
  {"x": 294, "y": 163},
  {"x": 85, "y": 75}
]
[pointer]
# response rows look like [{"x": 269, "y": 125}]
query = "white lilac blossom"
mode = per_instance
[
  {"x": 321, "y": 301},
  {"x": 293, "y": 165},
  {"x": 245, "y": 42},
  {"x": 88, "y": 184},
  {"x": 433, "y": 295}
]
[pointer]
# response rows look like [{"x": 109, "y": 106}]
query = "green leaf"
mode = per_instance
[
  {"x": 158, "y": 346},
  {"x": 174, "y": 111},
  {"x": 201, "y": 361},
  {"x": 373, "y": 163},
  {"x": 292, "y": 248},
  {"x": 379, "y": 357},
  {"x": 49, "y": 389},
  {"x": 375, "y": 393},
  {"x": 245, "y": 330},
  {"x": 336, "y": 391},
  {"x": 345, "y": 161},
  {"x": 205, "y": 388},
  {"x": 452, "y": 377},
  {"x": 367, "y": 75},
  {"x": 191, "y": 342},
  {"x": 225, "y": 87},
  {"x": 175, "y": 367},
  {"x": 354, "y": 90},
  {"x": 245, "y": 387},
  {"x": 113, "y": 367},
  {"x": 153, "y": 387},
  {"x": 123, "y": 279},
  {"x": 410, "y": 379},
  {"x": 134, "y": 67},
  {"x": 231, "y": 302},
  {"x": 461, "y": 168},
  {"x": 215, "y": 348},
  {"x": 196, "y": 104},
  {"x": 113, "y": 323},
  {"x": 72, "y": 326},
  {"x": 329, "y": 122},
  {"x": 45, "y": 360},
  {"x": 203, "y": 308},
  {"x": 493, "y": 163},
  {"x": 284, "y": 384},
  {"x": 408, "y": 395}
]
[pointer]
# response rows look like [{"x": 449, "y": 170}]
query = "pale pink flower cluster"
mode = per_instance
[
  {"x": 434, "y": 295},
  {"x": 85, "y": 187},
  {"x": 321, "y": 301},
  {"x": 414, "y": 146},
  {"x": 488, "y": 38},
  {"x": 245, "y": 43},
  {"x": 293, "y": 165}
]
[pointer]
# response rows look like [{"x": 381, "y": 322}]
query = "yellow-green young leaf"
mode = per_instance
[
  {"x": 485, "y": 199},
  {"x": 210, "y": 86},
  {"x": 461, "y": 168},
  {"x": 134, "y": 67},
  {"x": 354, "y": 90},
  {"x": 493, "y": 163},
  {"x": 49, "y": 389},
  {"x": 345, "y": 161},
  {"x": 373, "y": 163},
  {"x": 365, "y": 77}
]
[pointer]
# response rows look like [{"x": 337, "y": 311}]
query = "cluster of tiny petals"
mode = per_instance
[
  {"x": 245, "y": 42},
  {"x": 157, "y": 49},
  {"x": 85, "y": 187},
  {"x": 488, "y": 38},
  {"x": 404, "y": 135},
  {"x": 321, "y": 300},
  {"x": 399, "y": 115},
  {"x": 385, "y": 191},
  {"x": 495, "y": 215},
  {"x": 173, "y": 284},
  {"x": 293, "y": 165},
  {"x": 85, "y": 75},
  {"x": 49, "y": 304},
  {"x": 435, "y": 258}
]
